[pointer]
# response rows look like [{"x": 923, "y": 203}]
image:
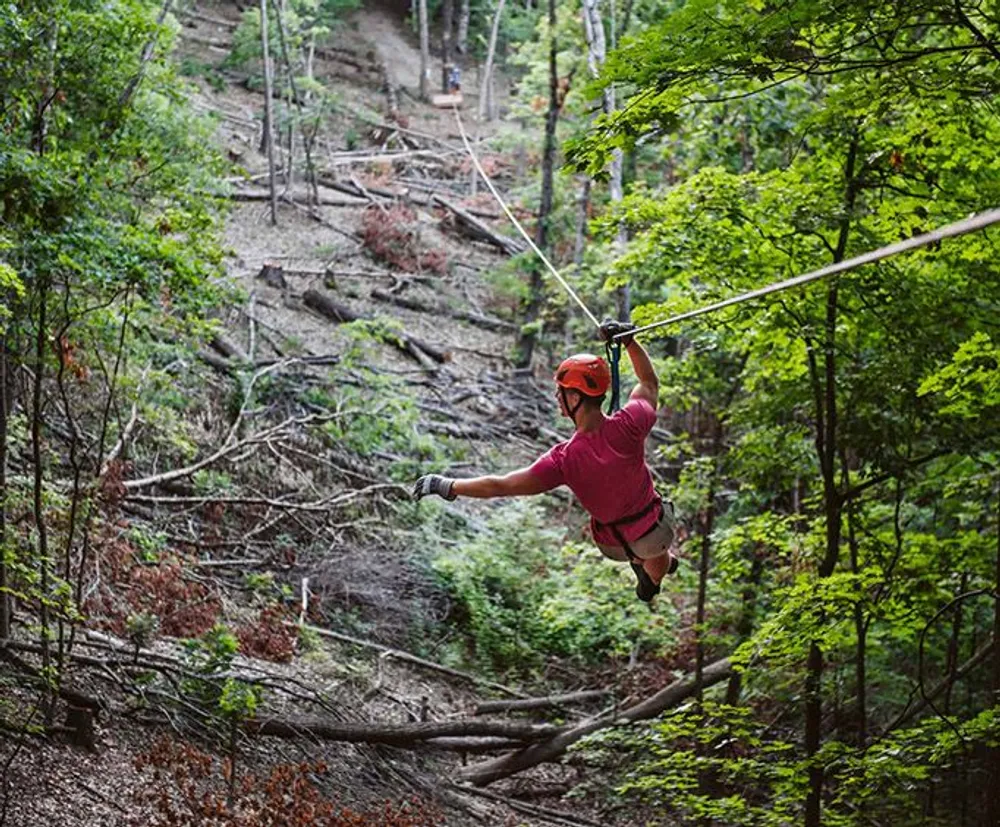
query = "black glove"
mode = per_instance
[
  {"x": 610, "y": 328},
  {"x": 434, "y": 484}
]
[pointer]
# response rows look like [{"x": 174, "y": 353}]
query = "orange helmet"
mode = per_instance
[{"x": 586, "y": 373}]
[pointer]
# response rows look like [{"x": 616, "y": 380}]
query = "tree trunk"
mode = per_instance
[
  {"x": 463, "y": 28},
  {"x": 425, "y": 48},
  {"x": 5, "y": 401},
  {"x": 744, "y": 626},
  {"x": 308, "y": 135},
  {"x": 582, "y": 213},
  {"x": 125, "y": 98},
  {"x": 527, "y": 339},
  {"x": 41, "y": 526},
  {"x": 593, "y": 27},
  {"x": 267, "y": 140},
  {"x": 447, "y": 24},
  {"x": 992, "y": 809},
  {"x": 486, "y": 107},
  {"x": 861, "y": 642},
  {"x": 833, "y": 503},
  {"x": 707, "y": 523},
  {"x": 554, "y": 747}
]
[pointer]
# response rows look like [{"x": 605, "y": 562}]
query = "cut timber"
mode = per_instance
[
  {"x": 273, "y": 275},
  {"x": 399, "y": 735},
  {"x": 324, "y": 200},
  {"x": 228, "y": 348},
  {"x": 421, "y": 351},
  {"x": 476, "y": 229},
  {"x": 412, "y": 304},
  {"x": 447, "y": 101},
  {"x": 216, "y": 362},
  {"x": 672, "y": 695},
  {"x": 207, "y": 18}
]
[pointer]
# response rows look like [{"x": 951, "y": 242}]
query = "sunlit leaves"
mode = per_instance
[{"x": 969, "y": 387}]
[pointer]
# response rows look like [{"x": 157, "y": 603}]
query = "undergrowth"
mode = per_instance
[
  {"x": 192, "y": 788},
  {"x": 522, "y": 596},
  {"x": 393, "y": 236}
]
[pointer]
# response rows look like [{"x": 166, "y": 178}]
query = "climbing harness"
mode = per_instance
[{"x": 613, "y": 526}]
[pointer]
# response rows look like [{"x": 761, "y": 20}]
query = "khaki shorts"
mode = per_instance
[{"x": 654, "y": 543}]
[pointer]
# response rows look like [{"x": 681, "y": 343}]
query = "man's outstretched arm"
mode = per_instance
[{"x": 517, "y": 483}]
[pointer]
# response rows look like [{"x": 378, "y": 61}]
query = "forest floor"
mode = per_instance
[{"x": 412, "y": 154}]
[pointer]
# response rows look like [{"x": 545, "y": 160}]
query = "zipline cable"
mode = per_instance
[
  {"x": 516, "y": 223},
  {"x": 968, "y": 225}
]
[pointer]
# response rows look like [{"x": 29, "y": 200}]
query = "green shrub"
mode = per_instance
[{"x": 523, "y": 595}]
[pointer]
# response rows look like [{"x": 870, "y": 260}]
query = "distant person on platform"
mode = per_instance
[{"x": 603, "y": 463}]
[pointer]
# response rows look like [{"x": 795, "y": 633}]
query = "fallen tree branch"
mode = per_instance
[
  {"x": 228, "y": 348},
  {"x": 322, "y": 505},
  {"x": 474, "y": 318},
  {"x": 419, "y": 350},
  {"x": 216, "y": 362},
  {"x": 398, "y": 735},
  {"x": 408, "y": 658},
  {"x": 324, "y": 200},
  {"x": 226, "y": 450},
  {"x": 206, "y": 18},
  {"x": 477, "y": 230},
  {"x": 911, "y": 709},
  {"x": 672, "y": 695}
]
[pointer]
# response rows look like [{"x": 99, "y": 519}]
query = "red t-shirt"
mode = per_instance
[{"x": 606, "y": 470}]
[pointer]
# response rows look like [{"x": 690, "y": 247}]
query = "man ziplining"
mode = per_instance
[{"x": 603, "y": 464}]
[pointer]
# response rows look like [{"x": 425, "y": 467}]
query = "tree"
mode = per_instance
[
  {"x": 103, "y": 171},
  {"x": 528, "y": 335},
  {"x": 486, "y": 106},
  {"x": 447, "y": 32},
  {"x": 425, "y": 49},
  {"x": 843, "y": 161}
]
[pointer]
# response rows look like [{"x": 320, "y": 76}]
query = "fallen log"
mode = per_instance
[
  {"x": 355, "y": 188},
  {"x": 477, "y": 230},
  {"x": 213, "y": 42},
  {"x": 324, "y": 200},
  {"x": 228, "y": 349},
  {"x": 347, "y": 57},
  {"x": 443, "y": 101},
  {"x": 397, "y": 735},
  {"x": 491, "y": 707},
  {"x": 207, "y": 18},
  {"x": 352, "y": 187},
  {"x": 419, "y": 350},
  {"x": 216, "y": 362},
  {"x": 474, "y": 318},
  {"x": 551, "y": 749}
]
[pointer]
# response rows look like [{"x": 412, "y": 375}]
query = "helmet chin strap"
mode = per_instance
[{"x": 565, "y": 400}]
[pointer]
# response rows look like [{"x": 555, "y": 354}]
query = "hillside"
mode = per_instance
[
  {"x": 255, "y": 285},
  {"x": 342, "y": 551}
]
